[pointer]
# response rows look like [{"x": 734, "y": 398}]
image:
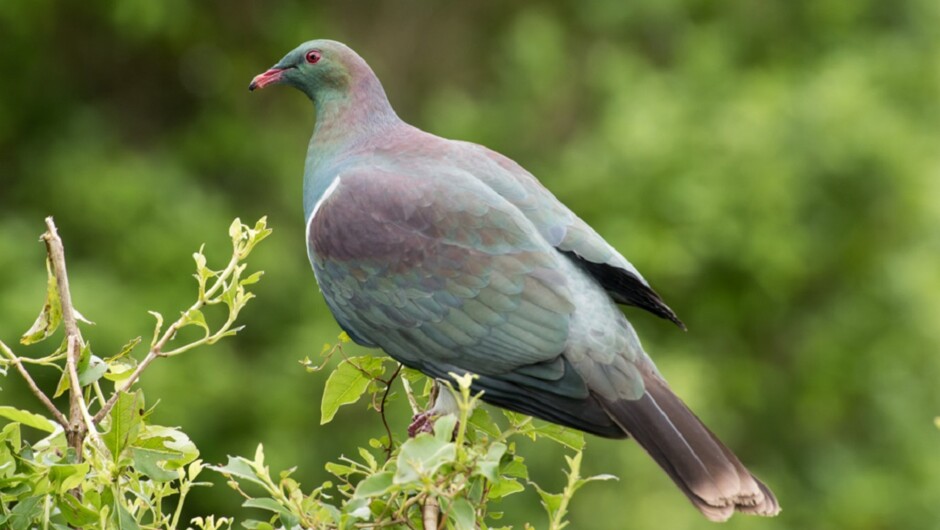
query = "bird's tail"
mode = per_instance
[{"x": 705, "y": 470}]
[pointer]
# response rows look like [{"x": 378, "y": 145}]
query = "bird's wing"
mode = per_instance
[
  {"x": 444, "y": 274},
  {"x": 564, "y": 230}
]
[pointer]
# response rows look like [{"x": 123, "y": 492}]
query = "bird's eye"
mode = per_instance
[{"x": 313, "y": 57}]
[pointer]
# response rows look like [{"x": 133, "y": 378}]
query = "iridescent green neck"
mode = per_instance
[{"x": 348, "y": 121}]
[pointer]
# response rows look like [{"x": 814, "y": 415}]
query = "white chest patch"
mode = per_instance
[{"x": 326, "y": 195}]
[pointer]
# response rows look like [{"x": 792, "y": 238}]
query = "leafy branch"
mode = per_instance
[
  {"x": 450, "y": 477},
  {"x": 225, "y": 287},
  {"x": 112, "y": 469}
]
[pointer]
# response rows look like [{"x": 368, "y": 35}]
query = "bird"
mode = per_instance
[{"x": 453, "y": 259}]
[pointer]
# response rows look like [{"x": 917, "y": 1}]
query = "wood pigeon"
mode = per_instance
[{"x": 451, "y": 257}]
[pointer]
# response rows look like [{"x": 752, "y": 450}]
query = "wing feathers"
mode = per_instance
[
  {"x": 626, "y": 288},
  {"x": 458, "y": 273}
]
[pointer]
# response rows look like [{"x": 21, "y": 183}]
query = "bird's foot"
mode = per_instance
[{"x": 423, "y": 422}]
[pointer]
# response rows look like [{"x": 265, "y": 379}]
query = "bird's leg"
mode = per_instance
[
  {"x": 442, "y": 403},
  {"x": 424, "y": 421}
]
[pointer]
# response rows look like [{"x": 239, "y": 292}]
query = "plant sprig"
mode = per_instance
[
  {"x": 449, "y": 477},
  {"x": 114, "y": 468}
]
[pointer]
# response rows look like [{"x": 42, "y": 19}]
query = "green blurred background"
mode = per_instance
[{"x": 773, "y": 168}]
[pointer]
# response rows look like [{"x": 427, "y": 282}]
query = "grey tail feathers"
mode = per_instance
[{"x": 704, "y": 469}]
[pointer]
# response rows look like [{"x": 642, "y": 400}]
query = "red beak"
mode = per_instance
[{"x": 270, "y": 77}]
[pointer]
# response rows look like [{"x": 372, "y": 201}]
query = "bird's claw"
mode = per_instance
[{"x": 423, "y": 422}]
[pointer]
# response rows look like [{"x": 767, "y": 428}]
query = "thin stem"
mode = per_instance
[
  {"x": 48, "y": 361},
  {"x": 574, "y": 475},
  {"x": 157, "y": 349},
  {"x": 99, "y": 393},
  {"x": 16, "y": 361},
  {"x": 57, "y": 254},
  {"x": 184, "y": 490},
  {"x": 388, "y": 387}
]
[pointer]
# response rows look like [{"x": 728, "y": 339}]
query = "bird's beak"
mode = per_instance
[{"x": 270, "y": 77}]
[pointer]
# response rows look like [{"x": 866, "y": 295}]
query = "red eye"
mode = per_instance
[{"x": 313, "y": 57}]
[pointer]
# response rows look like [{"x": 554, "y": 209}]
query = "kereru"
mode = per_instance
[{"x": 452, "y": 258}]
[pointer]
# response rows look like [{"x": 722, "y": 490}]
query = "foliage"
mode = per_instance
[
  {"x": 108, "y": 465},
  {"x": 451, "y": 474}
]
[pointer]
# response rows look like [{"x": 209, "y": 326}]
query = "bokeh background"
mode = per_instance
[{"x": 772, "y": 167}]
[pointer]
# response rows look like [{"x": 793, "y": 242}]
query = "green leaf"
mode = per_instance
[
  {"x": 266, "y": 503},
  {"x": 568, "y": 437},
  {"x": 51, "y": 314},
  {"x": 253, "y": 278},
  {"x": 340, "y": 470},
  {"x": 169, "y": 439},
  {"x": 504, "y": 487},
  {"x": 93, "y": 372},
  {"x": 27, "y": 418},
  {"x": 11, "y": 433},
  {"x": 358, "y": 508},
  {"x": 238, "y": 467},
  {"x": 126, "y": 349},
  {"x": 157, "y": 328},
  {"x": 488, "y": 466},
  {"x": 422, "y": 456},
  {"x": 25, "y": 511},
  {"x": 595, "y": 478},
  {"x": 463, "y": 515},
  {"x": 515, "y": 419},
  {"x": 120, "y": 370},
  {"x": 413, "y": 376},
  {"x": 148, "y": 461},
  {"x": 551, "y": 501},
  {"x": 63, "y": 385},
  {"x": 344, "y": 386},
  {"x": 515, "y": 468},
  {"x": 67, "y": 476},
  {"x": 236, "y": 230},
  {"x": 124, "y": 423},
  {"x": 195, "y": 317},
  {"x": 375, "y": 485},
  {"x": 482, "y": 420},
  {"x": 368, "y": 459},
  {"x": 121, "y": 518},
  {"x": 76, "y": 514},
  {"x": 84, "y": 360},
  {"x": 444, "y": 427}
]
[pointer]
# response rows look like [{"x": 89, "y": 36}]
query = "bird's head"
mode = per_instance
[{"x": 316, "y": 68}]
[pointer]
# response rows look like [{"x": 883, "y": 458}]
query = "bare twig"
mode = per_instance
[
  {"x": 16, "y": 361},
  {"x": 76, "y": 430},
  {"x": 57, "y": 254}
]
